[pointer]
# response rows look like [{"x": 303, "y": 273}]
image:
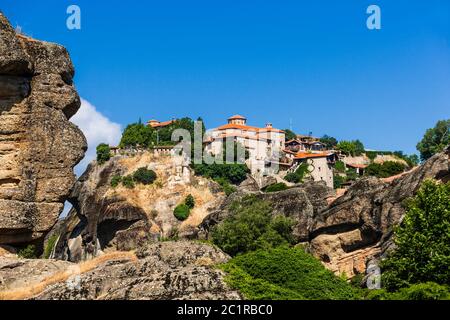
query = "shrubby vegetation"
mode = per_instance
[
  {"x": 299, "y": 174},
  {"x": 233, "y": 173},
  {"x": 338, "y": 181},
  {"x": 226, "y": 174},
  {"x": 251, "y": 226},
  {"x": 351, "y": 148},
  {"x": 29, "y": 252},
  {"x": 434, "y": 140},
  {"x": 182, "y": 212},
  {"x": 142, "y": 175},
  {"x": 422, "y": 240},
  {"x": 190, "y": 201},
  {"x": 421, "y": 291},
  {"x": 385, "y": 170},
  {"x": 51, "y": 242},
  {"x": 289, "y": 134},
  {"x": 276, "y": 187},
  {"x": 329, "y": 142},
  {"x": 103, "y": 153},
  {"x": 144, "y": 136},
  {"x": 285, "y": 273}
]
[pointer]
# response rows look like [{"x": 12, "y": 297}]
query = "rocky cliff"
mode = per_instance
[
  {"x": 120, "y": 218},
  {"x": 167, "y": 270},
  {"x": 39, "y": 146},
  {"x": 347, "y": 232},
  {"x": 357, "y": 227}
]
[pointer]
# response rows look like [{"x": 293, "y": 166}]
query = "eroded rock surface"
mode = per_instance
[
  {"x": 357, "y": 227},
  {"x": 39, "y": 146},
  {"x": 167, "y": 270}
]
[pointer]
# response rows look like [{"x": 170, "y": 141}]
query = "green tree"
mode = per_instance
[
  {"x": 434, "y": 140},
  {"x": 103, "y": 153},
  {"x": 289, "y": 134},
  {"x": 251, "y": 226},
  {"x": 351, "y": 148},
  {"x": 138, "y": 135},
  {"x": 422, "y": 240},
  {"x": 329, "y": 142}
]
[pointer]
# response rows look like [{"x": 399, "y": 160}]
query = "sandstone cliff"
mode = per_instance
[
  {"x": 353, "y": 229},
  {"x": 167, "y": 270},
  {"x": 357, "y": 227},
  {"x": 39, "y": 146},
  {"x": 107, "y": 218}
]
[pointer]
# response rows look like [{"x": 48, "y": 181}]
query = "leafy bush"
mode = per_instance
[
  {"x": 338, "y": 181},
  {"x": 420, "y": 291},
  {"x": 299, "y": 174},
  {"x": 340, "y": 166},
  {"x": 251, "y": 226},
  {"x": 103, "y": 153},
  {"x": 190, "y": 201},
  {"x": 226, "y": 186},
  {"x": 115, "y": 181},
  {"x": 385, "y": 170},
  {"x": 51, "y": 242},
  {"x": 181, "y": 212},
  {"x": 128, "y": 182},
  {"x": 422, "y": 240},
  {"x": 276, "y": 187},
  {"x": 29, "y": 252},
  {"x": 285, "y": 273},
  {"x": 144, "y": 176}
]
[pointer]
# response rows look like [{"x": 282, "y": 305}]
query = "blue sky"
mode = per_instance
[{"x": 314, "y": 62}]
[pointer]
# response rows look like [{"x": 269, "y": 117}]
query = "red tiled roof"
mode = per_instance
[
  {"x": 307, "y": 155},
  {"x": 160, "y": 124},
  {"x": 237, "y": 117},
  {"x": 248, "y": 128}
]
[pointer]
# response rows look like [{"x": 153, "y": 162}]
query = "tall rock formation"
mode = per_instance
[{"x": 39, "y": 146}]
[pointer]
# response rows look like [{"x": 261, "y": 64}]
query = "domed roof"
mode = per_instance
[{"x": 237, "y": 117}]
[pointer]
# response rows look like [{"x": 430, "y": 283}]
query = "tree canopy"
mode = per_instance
[
  {"x": 434, "y": 140},
  {"x": 422, "y": 240},
  {"x": 329, "y": 142},
  {"x": 351, "y": 148},
  {"x": 289, "y": 134}
]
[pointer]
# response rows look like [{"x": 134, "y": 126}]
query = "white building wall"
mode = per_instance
[{"x": 321, "y": 170}]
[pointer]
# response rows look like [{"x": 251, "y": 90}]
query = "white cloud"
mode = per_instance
[{"x": 97, "y": 129}]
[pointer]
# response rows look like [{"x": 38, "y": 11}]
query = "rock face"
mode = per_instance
[
  {"x": 357, "y": 227},
  {"x": 119, "y": 218},
  {"x": 302, "y": 204},
  {"x": 39, "y": 146},
  {"x": 167, "y": 270}
]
